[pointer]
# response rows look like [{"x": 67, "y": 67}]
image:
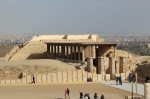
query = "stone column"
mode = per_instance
[
  {"x": 79, "y": 53},
  {"x": 51, "y": 48},
  {"x": 71, "y": 52},
  {"x": 58, "y": 50},
  {"x": 61, "y": 51},
  {"x": 112, "y": 68},
  {"x": 48, "y": 48},
  {"x": 75, "y": 58},
  {"x": 54, "y": 51},
  {"x": 90, "y": 51},
  {"x": 67, "y": 52},
  {"x": 147, "y": 91},
  {"x": 90, "y": 65},
  {"x": 122, "y": 67},
  {"x": 117, "y": 67},
  {"x": 101, "y": 66},
  {"x": 83, "y": 53},
  {"x": 93, "y": 51}
]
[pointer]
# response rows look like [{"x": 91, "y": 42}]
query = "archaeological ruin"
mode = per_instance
[{"x": 101, "y": 58}]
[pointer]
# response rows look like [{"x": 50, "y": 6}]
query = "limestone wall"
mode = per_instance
[{"x": 68, "y": 76}]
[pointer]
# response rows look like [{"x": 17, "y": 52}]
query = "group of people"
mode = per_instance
[
  {"x": 67, "y": 94},
  {"x": 89, "y": 79},
  {"x": 132, "y": 77},
  {"x": 119, "y": 79},
  {"x": 87, "y": 96}
]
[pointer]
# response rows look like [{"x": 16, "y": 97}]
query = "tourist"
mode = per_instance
[
  {"x": 88, "y": 96},
  {"x": 133, "y": 78},
  {"x": 68, "y": 91},
  {"x": 81, "y": 95},
  {"x": 90, "y": 79},
  {"x": 85, "y": 96},
  {"x": 33, "y": 79},
  {"x": 130, "y": 77},
  {"x": 117, "y": 78},
  {"x": 102, "y": 96},
  {"x": 66, "y": 94},
  {"x": 95, "y": 96},
  {"x": 147, "y": 78},
  {"x": 120, "y": 80}
]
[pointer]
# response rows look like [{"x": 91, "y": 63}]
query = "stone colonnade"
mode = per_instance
[
  {"x": 79, "y": 51},
  {"x": 75, "y": 52}
]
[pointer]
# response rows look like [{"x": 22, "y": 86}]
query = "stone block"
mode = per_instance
[
  {"x": 18, "y": 81},
  {"x": 89, "y": 75},
  {"x": 59, "y": 76},
  {"x": 12, "y": 81},
  {"x": 54, "y": 77},
  {"x": 44, "y": 78},
  {"x": 29, "y": 78},
  {"x": 7, "y": 81},
  {"x": 93, "y": 69},
  {"x": 64, "y": 76},
  {"x": 107, "y": 77},
  {"x": 94, "y": 76},
  {"x": 74, "y": 76},
  {"x": 113, "y": 76},
  {"x": 24, "y": 80},
  {"x": 100, "y": 77},
  {"x": 3, "y": 81},
  {"x": 49, "y": 77},
  {"x": 38, "y": 78},
  {"x": 84, "y": 76},
  {"x": 23, "y": 75},
  {"x": 69, "y": 76},
  {"x": 79, "y": 75}
]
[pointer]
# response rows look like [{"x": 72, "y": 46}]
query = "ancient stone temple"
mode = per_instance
[{"x": 101, "y": 57}]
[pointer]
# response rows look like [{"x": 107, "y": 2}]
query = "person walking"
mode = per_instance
[
  {"x": 33, "y": 79},
  {"x": 95, "y": 96},
  {"x": 81, "y": 95},
  {"x": 102, "y": 96},
  {"x": 117, "y": 78},
  {"x": 120, "y": 80},
  {"x": 68, "y": 92}
]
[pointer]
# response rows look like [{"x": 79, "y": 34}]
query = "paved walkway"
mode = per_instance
[{"x": 126, "y": 86}]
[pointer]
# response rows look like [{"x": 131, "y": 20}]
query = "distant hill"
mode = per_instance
[{"x": 5, "y": 49}]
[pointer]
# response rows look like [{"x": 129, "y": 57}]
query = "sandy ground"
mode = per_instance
[{"x": 56, "y": 91}]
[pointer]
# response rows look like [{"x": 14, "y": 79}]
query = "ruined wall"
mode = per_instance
[{"x": 57, "y": 77}]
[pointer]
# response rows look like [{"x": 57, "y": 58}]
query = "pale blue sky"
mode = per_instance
[{"x": 74, "y": 16}]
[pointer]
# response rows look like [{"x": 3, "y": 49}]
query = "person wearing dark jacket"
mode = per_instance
[
  {"x": 95, "y": 96},
  {"x": 102, "y": 96}
]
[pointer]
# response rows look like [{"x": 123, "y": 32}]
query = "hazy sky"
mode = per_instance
[{"x": 74, "y": 16}]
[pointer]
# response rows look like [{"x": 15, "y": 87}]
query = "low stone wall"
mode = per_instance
[{"x": 67, "y": 76}]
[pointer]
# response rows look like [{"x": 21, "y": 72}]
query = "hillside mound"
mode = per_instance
[{"x": 11, "y": 69}]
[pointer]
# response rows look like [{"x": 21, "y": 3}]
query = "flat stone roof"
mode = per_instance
[{"x": 82, "y": 43}]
